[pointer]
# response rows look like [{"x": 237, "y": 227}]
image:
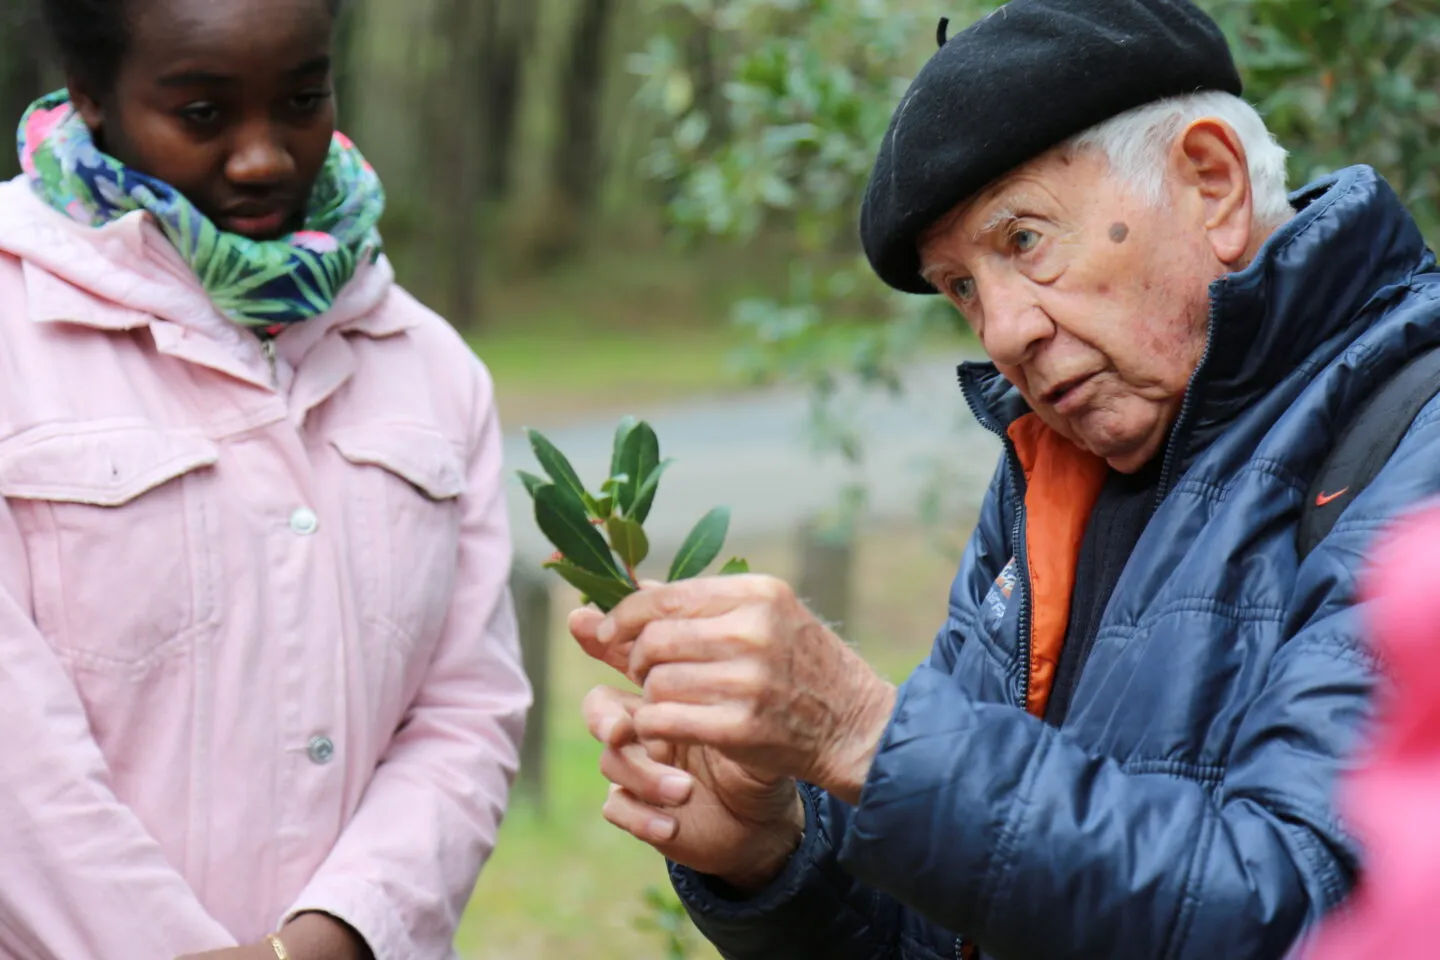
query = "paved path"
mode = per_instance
[{"x": 753, "y": 455}]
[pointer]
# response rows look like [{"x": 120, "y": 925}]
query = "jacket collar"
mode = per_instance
[
  {"x": 1301, "y": 302},
  {"x": 49, "y": 299}
]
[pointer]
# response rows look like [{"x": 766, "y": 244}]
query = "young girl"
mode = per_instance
[{"x": 261, "y": 694}]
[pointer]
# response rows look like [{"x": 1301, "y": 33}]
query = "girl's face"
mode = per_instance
[{"x": 228, "y": 101}]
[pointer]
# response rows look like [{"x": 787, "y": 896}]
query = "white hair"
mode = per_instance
[{"x": 1137, "y": 142}]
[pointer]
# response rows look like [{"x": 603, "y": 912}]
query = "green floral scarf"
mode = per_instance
[{"x": 259, "y": 284}]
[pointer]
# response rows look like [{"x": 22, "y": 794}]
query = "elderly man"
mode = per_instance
[{"x": 1126, "y": 739}]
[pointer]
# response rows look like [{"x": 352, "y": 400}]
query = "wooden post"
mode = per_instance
[
  {"x": 826, "y": 570},
  {"x": 532, "y": 611}
]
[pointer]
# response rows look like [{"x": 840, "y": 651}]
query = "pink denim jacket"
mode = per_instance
[{"x": 258, "y": 652}]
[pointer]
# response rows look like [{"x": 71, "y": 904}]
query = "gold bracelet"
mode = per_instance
[{"x": 280, "y": 952}]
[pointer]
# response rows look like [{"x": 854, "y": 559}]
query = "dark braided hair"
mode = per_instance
[{"x": 90, "y": 37}]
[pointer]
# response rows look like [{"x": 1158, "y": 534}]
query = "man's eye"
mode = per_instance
[
  {"x": 963, "y": 288},
  {"x": 201, "y": 114},
  {"x": 1025, "y": 240}
]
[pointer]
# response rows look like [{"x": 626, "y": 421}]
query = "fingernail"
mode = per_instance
[
  {"x": 606, "y": 631},
  {"x": 675, "y": 787},
  {"x": 607, "y": 727},
  {"x": 662, "y": 828}
]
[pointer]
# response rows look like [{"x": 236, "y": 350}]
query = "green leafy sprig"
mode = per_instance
[{"x": 600, "y": 538}]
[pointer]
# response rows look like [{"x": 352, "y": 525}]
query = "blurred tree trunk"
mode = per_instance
[
  {"x": 22, "y": 75},
  {"x": 346, "y": 64},
  {"x": 509, "y": 41},
  {"x": 578, "y": 163},
  {"x": 471, "y": 111},
  {"x": 701, "y": 56},
  {"x": 453, "y": 149}
]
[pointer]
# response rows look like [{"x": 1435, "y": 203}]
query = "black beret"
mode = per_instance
[{"x": 1025, "y": 79}]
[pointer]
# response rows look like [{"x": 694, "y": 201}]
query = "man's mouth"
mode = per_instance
[{"x": 1065, "y": 396}]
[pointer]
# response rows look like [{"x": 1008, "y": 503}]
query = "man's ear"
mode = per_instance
[
  {"x": 1209, "y": 163},
  {"x": 86, "y": 105}
]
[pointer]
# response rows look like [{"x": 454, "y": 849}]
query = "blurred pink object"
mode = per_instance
[
  {"x": 1393, "y": 801},
  {"x": 314, "y": 241}
]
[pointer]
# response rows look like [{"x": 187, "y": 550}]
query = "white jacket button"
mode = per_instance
[{"x": 304, "y": 521}]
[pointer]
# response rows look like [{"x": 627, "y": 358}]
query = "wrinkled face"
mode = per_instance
[
  {"x": 228, "y": 101},
  {"x": 1091, "y": 301}
]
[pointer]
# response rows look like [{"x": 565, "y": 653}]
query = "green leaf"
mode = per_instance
[
  {"x": 565, "y": 524},
  {"x": 637, "y": 460},
  {"x": 628, "y": 539},
  {"x": 702, "y": 545},
  {"x": 557, "y": 466},
  {"x": 645, "y": 496},
  {"x": 736, "y": 565},
  {"x": 531, "y": 482},
  {"x": 604, "y": 592},
  {"x": 622, "y": 432}
]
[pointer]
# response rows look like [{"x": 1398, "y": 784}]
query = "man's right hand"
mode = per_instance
[{"x": 692, "y": 804}]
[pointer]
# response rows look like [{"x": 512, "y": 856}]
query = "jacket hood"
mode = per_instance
[
  {"x": 125, "y": 273},
  {"x": 1297, "y": 306}
]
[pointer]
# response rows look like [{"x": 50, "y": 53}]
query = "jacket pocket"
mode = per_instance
[
  {"x": 120, "y": 538},
  {"x": 402, "y": 491}
]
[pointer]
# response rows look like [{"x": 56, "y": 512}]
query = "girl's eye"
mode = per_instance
[
  {"x": 963, "y": 289},
  {"x": 311, "y": 101},
  {"x": 1025, "y": 240},
  {"x": 201, "y": 114}
]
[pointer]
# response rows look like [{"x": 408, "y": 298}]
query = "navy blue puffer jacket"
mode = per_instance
[{"x": 1186, "y": 809}]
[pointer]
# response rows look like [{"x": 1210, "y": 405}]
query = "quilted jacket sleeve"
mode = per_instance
[{"x": 989, "y": 822}]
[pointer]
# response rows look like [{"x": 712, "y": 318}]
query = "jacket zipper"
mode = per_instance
[
  {"x": 1017, "y": 538},
  {"x": 267, "y": 347},
  {"x": 1182, "y": 422},
  {"x": 1022, "y": 561}
]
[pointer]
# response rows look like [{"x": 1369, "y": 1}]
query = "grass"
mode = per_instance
[
  {"x": 547, "y": 375},
  {"x": 659, "y": 331},
  {"x": 567, "y": 884}
]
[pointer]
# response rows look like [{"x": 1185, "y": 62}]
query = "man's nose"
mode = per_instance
[
  {"x": 1014, "y": 325},
  {"x": 259, "y": 157}
]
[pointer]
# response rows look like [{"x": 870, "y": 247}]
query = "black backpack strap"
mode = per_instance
[{"x": 1366, "y": 445}]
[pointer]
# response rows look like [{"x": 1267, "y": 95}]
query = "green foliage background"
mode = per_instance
[{"x": 807, "y": 89}]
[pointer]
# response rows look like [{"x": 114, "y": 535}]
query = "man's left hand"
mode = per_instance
[{"x": 740, "y": 664}]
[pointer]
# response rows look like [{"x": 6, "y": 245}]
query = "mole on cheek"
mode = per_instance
[{"x": 1118, "y": 232}]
